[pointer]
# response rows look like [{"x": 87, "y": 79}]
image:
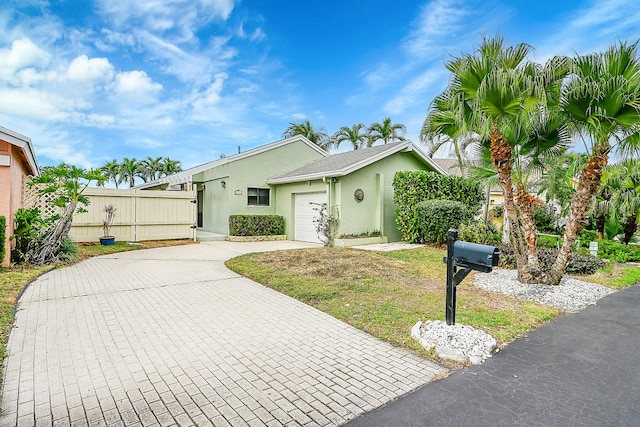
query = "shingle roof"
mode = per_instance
[
  {"x": 341, "y": 164},
  {"x": 450, "y": 166}
]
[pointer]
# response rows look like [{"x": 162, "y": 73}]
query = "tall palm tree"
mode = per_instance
[
  {"x": 306, "y": 129},
  {"x": 386, "y": 132},
  {"x": 602, "y": 104},
  {"x": 355, "y": 134},
  {"x": 112, "y": 171},
  {"x": 130, "y": 168},
  {"x": 151, "y": 168},
  {"x": 498, "y": 98},
  {"x": 170, "y": 166}
]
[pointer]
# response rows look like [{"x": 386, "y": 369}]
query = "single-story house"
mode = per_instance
[
  {"x": 289, "y": 177},
  {"x": 17, "y": 162}
]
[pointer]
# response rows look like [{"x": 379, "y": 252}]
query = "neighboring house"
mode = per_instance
[
  {"x": 287, "y": 177},
  {"x": 17, "y": 162}
]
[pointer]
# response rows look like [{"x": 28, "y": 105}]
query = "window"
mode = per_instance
[{"x": 258, "y": 196}]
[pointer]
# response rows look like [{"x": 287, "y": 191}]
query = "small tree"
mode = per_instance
[
  {"x": 109, "y": 215},
  {"x": 66, "y": 184},
  {"x": 327, "y": 224}
]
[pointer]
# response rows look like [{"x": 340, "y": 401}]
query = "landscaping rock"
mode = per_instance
[{"x": 457, "y": 342}]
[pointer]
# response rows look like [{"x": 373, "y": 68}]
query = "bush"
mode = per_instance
[
  {"x": 586, "y": 237},
  {"x": 618, "y": 252},
  {"x": 545, "y": 219},
  {"x": 413, "y": 187},
  {"x": 479, "y": 232},
  {"x": 578, "y": 263},
  {"x": 68, "y": 251},
  {"x": 256, "y": 225},
  {"x": 29, "y": 231},
  {"x": 436, "y": 217},
  {"x": 3, "y": 234}
]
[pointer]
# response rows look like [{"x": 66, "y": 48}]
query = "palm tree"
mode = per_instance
[
  {"x": 497, "y": 98},
  {"x": 169, "y": 167},
  {"x": 602, "y": 104},
  {"x": 306, "y": 129},
  {"x": 130, "y": 168},
  {"x": 386, "y": 132},
  {"x": 623, "y": 184},
  {"x": 151, "y": 168},
  {"x": 448, "y": 122},
  {"x": 354, "y": 134},
  {"x": 112, "y": 171}
]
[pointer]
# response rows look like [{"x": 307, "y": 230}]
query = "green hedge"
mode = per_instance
[
  {"x": 413, "y": 187},
  {"x": 3, "y": 234},
  {"x": 436, "y": 217},
  {"x": 256, "y": 225}
]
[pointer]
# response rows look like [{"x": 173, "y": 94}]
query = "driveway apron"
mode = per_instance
[{"x": 170, "y": 336}]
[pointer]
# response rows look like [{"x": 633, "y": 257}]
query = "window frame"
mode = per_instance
[{"x": 259, "y": 196}]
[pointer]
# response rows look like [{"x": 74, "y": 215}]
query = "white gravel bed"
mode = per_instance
[
  {"x": 570, "y": 295},
  {"x": 466, "y": 344}
]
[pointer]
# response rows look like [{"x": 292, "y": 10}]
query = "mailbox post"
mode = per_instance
[{"x": 468, "y": 256}]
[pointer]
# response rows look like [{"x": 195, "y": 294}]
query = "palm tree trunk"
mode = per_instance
[
  {"x": 52, "y": 242},
  {"x": 630, "y": 227},
  {"x": 601, "y": 220},
  {"x": 530, "y": 233},
  {"x": 501, "y": 157},
  {"x": 587, "y": 187}
]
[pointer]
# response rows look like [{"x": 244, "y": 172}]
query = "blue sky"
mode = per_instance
[{"x": 91, "y": 81}]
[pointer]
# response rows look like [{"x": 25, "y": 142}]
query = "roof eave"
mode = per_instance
[{"x": 24, "y": 143}]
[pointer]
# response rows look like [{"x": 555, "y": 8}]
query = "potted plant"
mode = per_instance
[{"x": 110, "y": 213}]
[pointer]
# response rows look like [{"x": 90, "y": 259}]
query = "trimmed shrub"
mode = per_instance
[
  {"x": 618, "y": 252},
  {"x": 578, "y": 263},
  {"x": 413, "y": 187},
  {"x": 256, "y": 225},
  {"x": 3, "y": 234},
  {"x": 480, "y": 232},
  {"x": 436, "y": 217}
]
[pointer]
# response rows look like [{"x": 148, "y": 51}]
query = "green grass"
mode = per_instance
[{"x": 386, "y": 294}]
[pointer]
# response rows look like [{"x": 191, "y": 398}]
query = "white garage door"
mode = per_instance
[{"x": 305, "y": 229}]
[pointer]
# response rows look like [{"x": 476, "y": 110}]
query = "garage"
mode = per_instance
[{"x": 305, "y": 229}]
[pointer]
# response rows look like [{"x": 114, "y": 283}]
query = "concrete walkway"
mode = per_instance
[
  {"x": 170, "y": 336},
  {"x": 580, "y": 370}
]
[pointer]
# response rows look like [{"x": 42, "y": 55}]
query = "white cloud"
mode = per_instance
[
  {"x": 136, "y": 84},
  {"x": 83, "y": 69},
  {"x": 181, "y": 16},
  {"x": 415, "y": 93},
  {"x": 23, "y": 53},
  {"x": 437, "y": 18}
]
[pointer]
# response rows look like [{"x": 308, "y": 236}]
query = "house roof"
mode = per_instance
[
  {"x": 342, "y": 164},
  {"x": 24, "y": 144},
  {"x": 450, "y": 165},
  {"x": 186, "y": 176}
]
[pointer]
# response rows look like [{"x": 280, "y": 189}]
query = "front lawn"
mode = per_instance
[{"x": 386, "y": 294}]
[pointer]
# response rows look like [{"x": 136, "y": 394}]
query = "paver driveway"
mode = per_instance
[{"x": 170, "y": 336}]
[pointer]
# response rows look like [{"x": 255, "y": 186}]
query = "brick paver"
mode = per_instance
[{"x": 170, "y": 336}]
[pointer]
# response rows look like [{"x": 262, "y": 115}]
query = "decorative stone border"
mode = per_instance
[{"x": 256, "y": 238}]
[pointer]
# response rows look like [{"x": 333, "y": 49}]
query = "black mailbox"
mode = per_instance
[{"x": 475, "y": 256}]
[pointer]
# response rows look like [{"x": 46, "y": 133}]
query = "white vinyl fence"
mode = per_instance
[{"x": 140, "y": 215}]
